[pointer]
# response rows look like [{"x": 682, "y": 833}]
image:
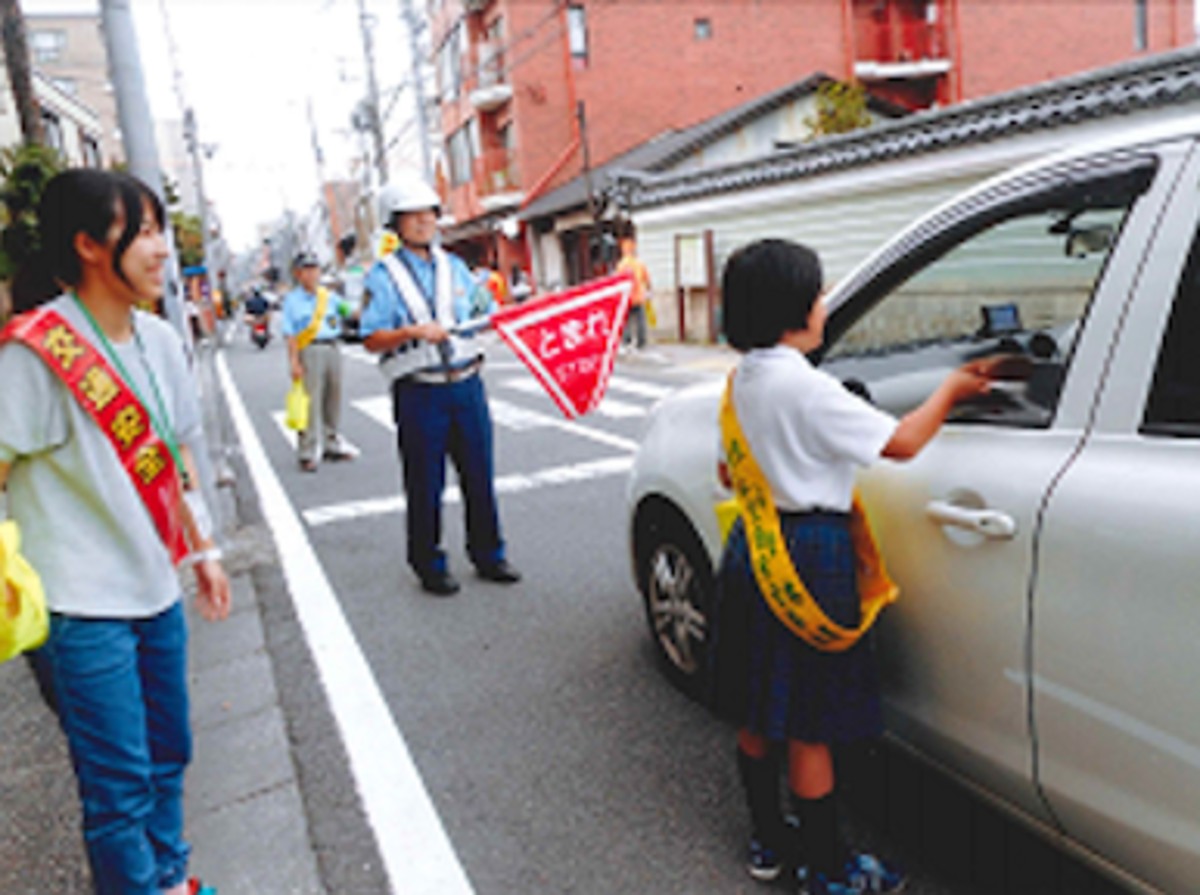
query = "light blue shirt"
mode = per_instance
[
  {"x": 298, "y": 307},
  {"x": 387, "y": 310}
]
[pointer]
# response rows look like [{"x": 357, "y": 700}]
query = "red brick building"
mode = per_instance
[{"x": 534, "y": 91}]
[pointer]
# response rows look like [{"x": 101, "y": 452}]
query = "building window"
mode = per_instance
[
  {"x": 459, "y": 151},
  {"x": 450, "y": 64},
  {"x": 702, "y": 29},
  {"x": 1141, "y": 26},
  {"x": 47, "y": 46},
  {"x": 90, "y": 148},
  {"x": 52, "y": 128},
  {"x": 577, "y": 32}
]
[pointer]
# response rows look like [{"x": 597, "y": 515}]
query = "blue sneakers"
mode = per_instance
[
  {"x": 763, "y": 862},
  {"x": 863, "y": 875}
]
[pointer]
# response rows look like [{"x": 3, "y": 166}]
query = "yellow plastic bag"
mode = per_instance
[
  {"x": 651, "y": 317},
  {"x": 297, "y": 407},
  {"x": 24, "y": 623}
]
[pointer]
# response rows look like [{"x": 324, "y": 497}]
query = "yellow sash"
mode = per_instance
[
  {"x": 305, "y": 336},
  {"x": 773, "y": 568}
]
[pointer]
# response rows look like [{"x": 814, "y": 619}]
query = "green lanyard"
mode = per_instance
[{"x": 157, "y": 422}]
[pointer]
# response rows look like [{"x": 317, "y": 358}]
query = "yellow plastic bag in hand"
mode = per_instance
[
  {"x": 297, "y": 407},
  {"x": 24, "y": 623},
  {"x": 651, "y": 317}
]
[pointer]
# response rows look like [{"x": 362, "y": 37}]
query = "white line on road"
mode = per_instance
[
  {"x": 609, "y": 407},
  {"x": 637, "y": 387},
  {"x": 505, "y": 414},
  {"x": 508, "y": 484},
  {"x": 417, "y": 853}
]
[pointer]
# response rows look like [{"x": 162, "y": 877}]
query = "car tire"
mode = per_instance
[{"x": 676, "y": 581}]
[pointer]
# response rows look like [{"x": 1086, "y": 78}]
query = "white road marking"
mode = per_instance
[
  {"x": 417, "y": 853},
  {"x": 294, "y": 440},
  {"x": 637, "y": 387},
  {"x": 508, "y": 484},
  {"x": 609, "y": 407},
  {"x": 502, "y": 410}
]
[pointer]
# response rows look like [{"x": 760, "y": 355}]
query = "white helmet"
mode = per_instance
[{"x": 407, "y": 192}]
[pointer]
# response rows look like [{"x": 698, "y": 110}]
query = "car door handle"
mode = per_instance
[{"x": 989, "y": 523}]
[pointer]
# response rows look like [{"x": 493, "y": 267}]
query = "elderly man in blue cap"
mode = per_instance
[{"x": 313, "y": 327}]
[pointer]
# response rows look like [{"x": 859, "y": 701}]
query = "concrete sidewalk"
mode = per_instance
[{"x": 245, "y": 817}]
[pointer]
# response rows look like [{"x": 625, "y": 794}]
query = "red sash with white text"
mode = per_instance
[{"x": 109, "y": 401}]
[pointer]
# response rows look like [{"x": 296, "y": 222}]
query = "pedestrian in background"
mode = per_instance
[
  {"x": 635, "y": 326},
  {"x": 808, "y": 436},
  {"x": 312, "y": 325},
  {"x": 418, "y": 294},
  {"x": 99, "y": 500}
]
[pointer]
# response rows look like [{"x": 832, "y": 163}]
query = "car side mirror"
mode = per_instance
[{"x": 1088, "y": 241}]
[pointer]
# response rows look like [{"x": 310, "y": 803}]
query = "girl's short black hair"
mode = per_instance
[
  {"x": 82, "y": 200},
  {"x": 768, "y": 288}
]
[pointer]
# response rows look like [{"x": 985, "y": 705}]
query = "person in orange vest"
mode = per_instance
[{"x": 635, "y": 326}]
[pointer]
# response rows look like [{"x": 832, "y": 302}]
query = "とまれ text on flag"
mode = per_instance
[{"x": 569, "y": 339}]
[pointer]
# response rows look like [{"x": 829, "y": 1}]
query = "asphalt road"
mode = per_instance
[{"x": 557, "y": 757}]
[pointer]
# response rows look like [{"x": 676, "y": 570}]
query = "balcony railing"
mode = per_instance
[
  {"x": 903, "y": 41},
  {"x": 496, "y": 180},
  {"x": 490, "y": 89}
]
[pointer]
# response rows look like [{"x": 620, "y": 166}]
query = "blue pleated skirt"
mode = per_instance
[{"x": 788, "y": 689}]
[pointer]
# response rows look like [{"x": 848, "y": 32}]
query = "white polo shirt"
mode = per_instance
[{"x": 807, "y": 432}]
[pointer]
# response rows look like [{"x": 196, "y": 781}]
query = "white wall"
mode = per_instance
[{"x": 844, "y": 215}]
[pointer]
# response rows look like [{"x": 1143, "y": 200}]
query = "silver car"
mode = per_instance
[{"x": 1045, "y": 647}]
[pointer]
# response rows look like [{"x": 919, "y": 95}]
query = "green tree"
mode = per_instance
[
  {"x": 25, "y": 171},
  {"x": 189, "y": 238},
  {"x": 841, "y": 108}
]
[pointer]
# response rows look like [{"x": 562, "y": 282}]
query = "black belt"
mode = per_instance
[{"x": 446, "y": 376}]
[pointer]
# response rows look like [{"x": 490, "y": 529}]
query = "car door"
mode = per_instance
[
  {"x": 1036, "y": 265},
  {"x": 1116, "y": 607}
]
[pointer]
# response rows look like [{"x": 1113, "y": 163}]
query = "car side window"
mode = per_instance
[
  {"x": 1019, "y": 284},
  {"x": 1173, "y": 407}
]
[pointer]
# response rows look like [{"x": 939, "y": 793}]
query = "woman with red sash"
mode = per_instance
[
  {"x": 97, "y": 412},
  {"x": 793, "y": 439}
]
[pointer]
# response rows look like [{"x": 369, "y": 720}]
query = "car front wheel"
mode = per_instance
[{"x": 676, "y": 580}]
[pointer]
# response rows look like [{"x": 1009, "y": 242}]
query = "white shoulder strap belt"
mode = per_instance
[{"x": 418, "y": 356}]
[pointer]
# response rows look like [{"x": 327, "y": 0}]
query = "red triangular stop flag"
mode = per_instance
[{"x": 569, "y": 339}]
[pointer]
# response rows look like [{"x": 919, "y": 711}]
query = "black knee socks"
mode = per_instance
[
  {"x": 760, "y": 781},
  {"x": 822, "y": 839}
]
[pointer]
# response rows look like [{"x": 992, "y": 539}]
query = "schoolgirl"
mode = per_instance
[
  {"x": 98, "y": 413},
  {"x": 807, "y": 435}
]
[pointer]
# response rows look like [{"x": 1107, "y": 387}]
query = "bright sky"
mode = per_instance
[{"x": 249, "y": 69}]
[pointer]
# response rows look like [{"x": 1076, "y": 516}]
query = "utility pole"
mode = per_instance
[
  {"x": 137, "y": 131},
  {"x": 414, "y": 23},
  {"x": 141, "y": 151},
  {"x": 376, "y": 124},
  {"x": 331, "y": 212},
  {"x": 20, "y": 72}
]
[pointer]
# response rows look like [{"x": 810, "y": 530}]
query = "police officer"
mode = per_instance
[
  {"x": 313, "y": 355},
  {"x": 418, "y": 293}
]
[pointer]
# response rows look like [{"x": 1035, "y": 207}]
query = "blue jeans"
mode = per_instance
[
  {"x": 121, "y": 687},
  {"x": 434, "y": 422}
]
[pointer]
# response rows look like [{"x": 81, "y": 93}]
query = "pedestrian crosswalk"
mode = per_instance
[{"x": 518, "y": 405}]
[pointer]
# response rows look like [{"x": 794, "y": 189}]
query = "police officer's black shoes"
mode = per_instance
[
  {"x": 501, "y": 572},
  {"x": 440, "y": 584}
]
